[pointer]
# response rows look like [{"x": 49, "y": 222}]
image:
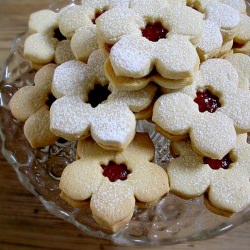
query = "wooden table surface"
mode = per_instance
[{"x": 24, "y": 223}]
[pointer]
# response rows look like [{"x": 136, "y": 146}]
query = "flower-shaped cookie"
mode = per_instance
[
  {"x": 86, "y": 105},
  {"x": 210, "y": 111},
  {"x": 151, "y": 34},
  {"x": 114, "y": 181},
  {"x": 46, "y": 42},
  {"x": 225, "y": 181},
  {"x": 78, "y": 23},
  {"x": 31, "y": 104}
]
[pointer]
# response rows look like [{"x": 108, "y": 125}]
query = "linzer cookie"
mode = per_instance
[
  {"x": 46, "y": 43},
  {"x": 31, "y": 105},
  {"x": 225, "y": 181},
  {"x": 137, "y": 44},
  {"x": 113, "y": 182},
  {"x": 78, "y": 24},
  {"x": 211, "y": 111},
  {"x": 87, "y": 105}
]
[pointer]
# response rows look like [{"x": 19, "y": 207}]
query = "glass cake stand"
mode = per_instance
[{"x": 173, "y": 220}]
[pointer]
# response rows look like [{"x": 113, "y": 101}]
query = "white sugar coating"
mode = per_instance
[
  {"x": 183, "y": 20},
  {"x": 43, "y": 21},
  {"x": 100, "y": 4},
  {"x": 189, "y": 176},
  {"x": 70, "y": 117},
  {"x": 243, "y": 32},
  {"x": 129, "y": 59},
  {"x": 63, "y": 52},
  {"x": 213, "y": 134},
  {"x": 241, "y": 63},
  {"x": 225, "y": 16},
  {"x": 68, "y": 79},
  {"x": 135, "y": 100},
  {"x": 95, "y": 70},
  {"x": 175, "y": 18},
  {"x": 71, "y": 18},
  {"x": 228, "y": 189},
  {"x": 236, "y": 106},
  {"x": 148, "y": 8},
  {"x": 126, "y": 20},
  {"x": 239, "y": 5},
  {"x": 135, "y": 57},
  {"x": 84, "y": 42},
  {"x": 211, "y": 40},
  {"x": 174, "y": 113},
  {"x": 39, "y": 48},
  {"x": 181, "y": 59},
  {"x": 112, "y": 125},
  {"x": 220, "y": 75}
]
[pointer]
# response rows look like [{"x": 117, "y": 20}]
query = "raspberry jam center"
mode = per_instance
[
  {"x": 207, "y": 101},
  {"x": 58, "y": 35},
  {"x": 154, "y": 31},
  {"x": 98, "y": 95},
  {"x": 51, "y": 99},
  {"x": 237, "y": 45},
  {"x": 217, "y": 164},
  {"x": 115, "y": 171},
  {"x": 108, "y": 47}
]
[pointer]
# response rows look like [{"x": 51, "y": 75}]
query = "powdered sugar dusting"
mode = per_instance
[
  {"x": 212, "y": 134},
  {"x": 134, "y": 56},
  {"x": 100, "y": 4},
  {"x": 211, "y": 40},
  {"x": 228, "y": 189},
  {"x": 68, "y": 79},
  {"x": 223, "y": 15},
  {"x": 135, "y": 100}
]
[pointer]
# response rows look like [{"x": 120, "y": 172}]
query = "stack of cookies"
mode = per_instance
[{"x": 104, "y": 64}]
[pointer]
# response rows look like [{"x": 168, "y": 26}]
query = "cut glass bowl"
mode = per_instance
[{"x": 173, "y": 220}]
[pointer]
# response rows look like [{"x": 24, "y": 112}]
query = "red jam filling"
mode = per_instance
[
  {"x": 217, "y": 164},
  {"x": 108, "y": 47},
  {"x": 207, "y": 101},
  {"x": 115, "y": 171},
  {"x": 58, "y": 35},
  {"x": 237, "y": 45},
  {"x": 154, "y": 31},
  {"x": 97, "y": 14},
  {"x": 50, "y": 100},
  {"x": 98, "y": 95}
]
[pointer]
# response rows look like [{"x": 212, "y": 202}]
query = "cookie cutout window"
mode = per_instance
[
  {"x": 207, "y": 101},
  {"x": 115, "y": 171},
  {"x": 51, "y": 100},
  {"x": 58, "y": 35},
  {"x": 98, "y": 95},
  {"x": 154, "y": 31},
  {"x": 217, "y": 164}
]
